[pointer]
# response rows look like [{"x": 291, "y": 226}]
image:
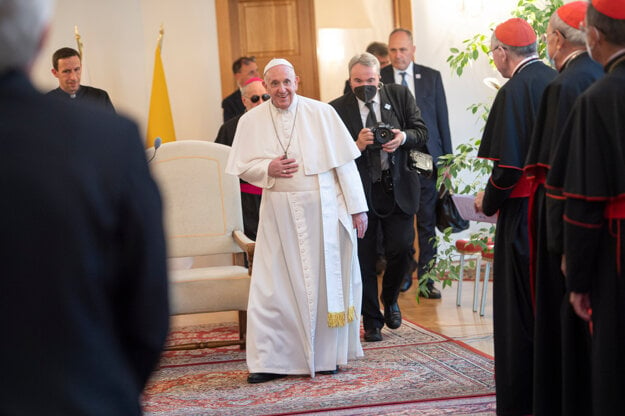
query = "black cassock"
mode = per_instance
[
  {"x": 86, "y": 94},
  {"x": 250, "y": 195},
  {"x": 505, "y": 141},
  {"x": 561, "y": 338},
  {"x": 590, "y": 172}
]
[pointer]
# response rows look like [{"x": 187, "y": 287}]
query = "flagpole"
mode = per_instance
[
  {"x": 159, "y": 41},
  {"x": 78, "y": 41}
]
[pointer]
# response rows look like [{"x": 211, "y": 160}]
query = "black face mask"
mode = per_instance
[{"x": 366, "y": 92}]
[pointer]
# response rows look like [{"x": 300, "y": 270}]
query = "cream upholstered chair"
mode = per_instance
[{"x": 202, "y": 209}]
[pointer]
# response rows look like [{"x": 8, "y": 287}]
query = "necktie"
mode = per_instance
[
  {"x": 374, "y": 155},
  {"x": 403, "y": 79}
]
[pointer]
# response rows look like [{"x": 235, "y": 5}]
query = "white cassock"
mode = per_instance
[{"x": 306, "y": 291}]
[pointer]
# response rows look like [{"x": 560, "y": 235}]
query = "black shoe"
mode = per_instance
[
  {"x": 433, "y": 292},
  {"x": 392, "y": 316},
  {"x": 254, "y": 378},
  {"x": 373, "y": 335},
  {"x": 406, "y": 283},
  {"x": 329, "y": 372}
]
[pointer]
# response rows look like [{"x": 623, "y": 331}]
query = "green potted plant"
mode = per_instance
[{"x": 462, "y": 172}]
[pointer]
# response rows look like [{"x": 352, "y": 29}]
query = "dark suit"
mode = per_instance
[
  {"x": 430, "y": 97},
  {"x": 83, "y": 286},
  {"x": 394, "y": 210},
  {"x": 232, "y": 105}
]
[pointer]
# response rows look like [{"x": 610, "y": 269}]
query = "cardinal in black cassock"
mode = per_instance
[
  {"x": 590, "y": 173},
  {"x": 561, "y": 338},
  {"x": 505, "y": 141}
]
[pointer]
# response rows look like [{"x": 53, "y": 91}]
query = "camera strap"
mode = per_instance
[{"x": 369, "y": 193}]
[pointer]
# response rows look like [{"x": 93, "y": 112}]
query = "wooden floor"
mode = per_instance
[
  {"x": 457, "y": 322},
  {"x": 442, "y": 316}
]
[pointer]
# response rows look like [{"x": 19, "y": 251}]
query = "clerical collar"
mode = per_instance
[
  {"x": 571, "y": 57},
  {"x": 75, "y": 94},
  {"x": 524, "y": 63},
  {"x": 615, "y": 60}
]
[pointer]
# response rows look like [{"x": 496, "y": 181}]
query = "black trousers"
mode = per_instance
[
  {"x": 250, "y": 204},
  {"x": 426, "y": 223},
  {"x": 397, "y": 236}
]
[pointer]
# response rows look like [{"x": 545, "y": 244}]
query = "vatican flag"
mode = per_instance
[{"x": 160, "y": 121}]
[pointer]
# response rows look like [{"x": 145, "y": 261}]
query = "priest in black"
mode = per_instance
[
  {"x": 589, "y": 170},
  {"x": 561, "y": 338},
  {"x": 67, "y": 68},
  {"x": 392, "y": 189},
  {"x": 243, "y": 69},
  {"x": 253, "y": 93},
  {"x": 505, "y": 141}
]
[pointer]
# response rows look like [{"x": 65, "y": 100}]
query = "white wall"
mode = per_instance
[
  {"x": 342, "y": 33},
  {"x": 120, "y": 39},
  {"x": 441, "y": 25}
]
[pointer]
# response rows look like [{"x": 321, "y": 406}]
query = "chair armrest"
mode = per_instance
[{"x": 247, "y": 244}]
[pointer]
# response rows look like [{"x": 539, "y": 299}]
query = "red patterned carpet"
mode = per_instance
[{"x": 412, "y": 372}]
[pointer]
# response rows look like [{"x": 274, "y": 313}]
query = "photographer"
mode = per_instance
[{"x": 385, "y": 123}]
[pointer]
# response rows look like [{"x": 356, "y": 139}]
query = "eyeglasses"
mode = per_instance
[
  {"x": 255, "y": 98},
  {"x": 490, "y": 53},
  {"x": 545, "y": 36}
]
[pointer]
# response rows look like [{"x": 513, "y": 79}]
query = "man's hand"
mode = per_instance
[
  {"x": 281, "y": 167},
  {"x": 392, "y": 145},
  {"x": 581, "y": 305},
  {"x": 361, "y": 222},
  {"x": 365, "y": 138},
  {"x": 478, "y": 202}
]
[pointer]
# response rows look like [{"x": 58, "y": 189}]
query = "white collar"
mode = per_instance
[{"x": 523, "y": 62}]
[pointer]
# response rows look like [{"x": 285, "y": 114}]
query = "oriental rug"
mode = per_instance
[{"x": 412, "y": 372}]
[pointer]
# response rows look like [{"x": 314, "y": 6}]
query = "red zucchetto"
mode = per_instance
[
  {"x": 611, "y": 8},
  {"x": 515, "y": 32},
  {"x": 255, "y": 79},
  {"x": 573, "y": 13}
]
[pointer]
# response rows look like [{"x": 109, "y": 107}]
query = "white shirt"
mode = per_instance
[
  {"x": 364, "y": 113},
  {"x": 409, "y": 77}
]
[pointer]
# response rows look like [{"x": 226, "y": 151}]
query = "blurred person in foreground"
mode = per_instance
[
  {"x": 253, "y": 93},
  {"x": 67, "y": 69},
  {"x": 589, "y": 171},
  {"x": 561, "y": 338},
  {"x": 505, "y": 141},
  {"x": 304, "y": 306},
  {"x": 83, "y": 286}
]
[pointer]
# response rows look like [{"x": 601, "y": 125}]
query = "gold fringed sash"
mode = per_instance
[{"x": 339, "y": 319}]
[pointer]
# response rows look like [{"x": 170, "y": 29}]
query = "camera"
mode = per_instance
[{"x": 381, "y": 134}]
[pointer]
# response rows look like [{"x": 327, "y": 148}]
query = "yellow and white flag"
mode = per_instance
[{"x": 160, "y": 121}]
